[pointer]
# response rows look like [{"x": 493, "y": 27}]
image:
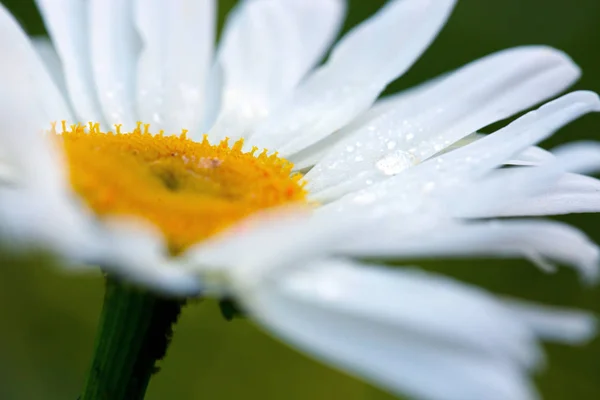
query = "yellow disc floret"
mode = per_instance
[{"x": 189, "y": 190}]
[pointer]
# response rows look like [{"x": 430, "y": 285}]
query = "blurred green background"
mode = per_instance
[{"x": 47, "y": 320}]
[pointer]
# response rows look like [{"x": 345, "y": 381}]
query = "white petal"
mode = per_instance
[
  {"x": 539, "y": 241},
  {"x": 266, "y": 240},
  {"x": 533, "y": 155},
  {"x": 398, "y": 329},
  {"x": 114, "y": 44},
  {"x": 485, "y": 91},
  {"x": 527, "y": 130},
  {"x": 30, "y": 218},
  {"x": 572, "y": 193},
  {"x": 47, "y": 53},
  {"x": 556, "y": 324},
  {"x": 360, "y": 66},
  {"x": 312, "y": 154},
  {"x": 135, "y": 251},
  {"x": 23, "y": 75},
  {"x": 475, "y": 96},
  {"x": 30, "y": 101},
  {"x": 581, "y": 157},
  {"x": 475, "y": 160},
  {"x": 68, "y": 24},
  {"x": 173, "y": 67},
  {"x": 28, "y": 157},
  {"x": 380, "y": 294},
  {"x": 267, "y": 47},
  {"x": 541, "y": 189},
  {"x": 500, "y": 189},
  {"x": 36, "y": 208},
  {"x": 213, "y": 100}
]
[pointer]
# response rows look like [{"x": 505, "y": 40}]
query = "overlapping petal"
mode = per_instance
[
  {"x": 173, "y": 68},
  {"x": 266, "y": 49},
  {"x": 67, "y": 22},
  {"x": 114, "y": 53},
  {"x": 360, "y": 66},
  {"x": 459, "y": 343},
  {"x": 459, "y": 104}
]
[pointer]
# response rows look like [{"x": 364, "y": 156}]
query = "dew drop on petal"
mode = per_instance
[{"x": 396, "y": 162}]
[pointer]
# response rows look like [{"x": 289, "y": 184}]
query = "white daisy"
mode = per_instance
[{"x": 382, "y": 178}]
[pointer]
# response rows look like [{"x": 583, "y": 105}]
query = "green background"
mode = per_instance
[{"x": 47, "y": 319}]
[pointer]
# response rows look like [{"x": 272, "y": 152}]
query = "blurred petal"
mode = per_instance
[
  {"x": 29, "y": 100},
  {"x": 409, "y": 332},
  {"x": 36, "y": 209},
  {"x": 31, "y": 218},
  {"x": 136, "y": 251},
  {"x": 248, "y": 247},
  {"x": 555, "y": 324}
]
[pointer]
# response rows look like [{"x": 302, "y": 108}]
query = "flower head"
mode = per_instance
[{"x": 326, "y": 173}]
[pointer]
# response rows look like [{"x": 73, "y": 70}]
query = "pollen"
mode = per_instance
[{"x": 188, "y": 189}]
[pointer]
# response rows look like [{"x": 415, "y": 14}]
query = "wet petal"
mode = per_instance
[
  {"x": 68, "y": 22},
  {"x": 114, "y": 47},
  {"x": 173, "y": 67},
  {"x": 267, "y": 47},
  {"x": 475, "y": 160},
  {"x": 360, "y": 66},
  {"x": 485, "y": 91}
]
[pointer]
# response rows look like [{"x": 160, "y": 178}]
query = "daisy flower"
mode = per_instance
[{"x": 260, "y": 174}]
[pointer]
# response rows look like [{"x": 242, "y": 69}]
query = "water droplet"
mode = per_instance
[{"x": 395, "y": 162}]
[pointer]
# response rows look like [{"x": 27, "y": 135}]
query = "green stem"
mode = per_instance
[{"x": 134, "y": 332}]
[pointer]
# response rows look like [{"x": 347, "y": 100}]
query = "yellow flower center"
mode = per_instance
[{"x": 189, "y": 190}]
